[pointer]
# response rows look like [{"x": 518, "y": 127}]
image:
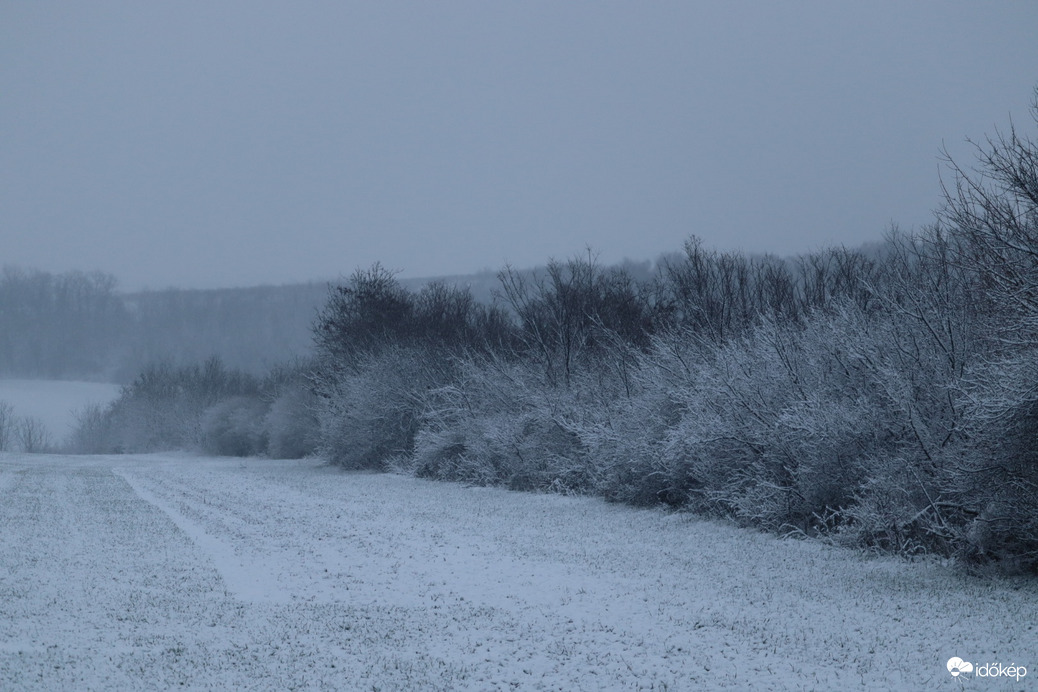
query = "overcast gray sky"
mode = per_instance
[{"x": 206, "y": 144}]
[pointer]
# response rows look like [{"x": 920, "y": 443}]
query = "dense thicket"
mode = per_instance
[
  {"x": 208, "y": 408},
  {"x": 885, "y": 397},
  {"x": 380, "y": 348}
]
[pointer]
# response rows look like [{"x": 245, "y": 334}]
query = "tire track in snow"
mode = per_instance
[
  {"x": 245, "y": 579},
  {"x": 252, "y": 529},
  {"x": 101, "y": 589}
]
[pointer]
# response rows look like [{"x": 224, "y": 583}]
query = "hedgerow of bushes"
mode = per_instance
[
  {"x": 207, "y": 408},
  {"x": 885, "y": 398}
]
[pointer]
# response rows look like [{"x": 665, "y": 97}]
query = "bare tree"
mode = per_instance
[
  {"x": 7, "y": 425},
  {"x": 569, "y": 315},
  {"x": 993, "y": 211},
  {"x": 33, "y": 435}
]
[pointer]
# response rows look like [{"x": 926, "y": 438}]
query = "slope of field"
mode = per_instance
[{"x": 157, "y": 572}]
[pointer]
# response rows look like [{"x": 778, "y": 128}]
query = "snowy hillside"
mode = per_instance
[{"x": 163, "y": 572}]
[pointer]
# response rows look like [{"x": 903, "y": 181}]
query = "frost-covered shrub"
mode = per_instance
[
  {"x": 622, "y": 426},
  {"x": 482, "y": 450},
  {"x": 234, "y": 427},
  {"x": 498, "y": 423},
  {"x": 997, "y": 481},
  {"x": 739, "y": 404},
  {"x": 792, "y": 425},
  {"x": 370, "y": 412},
  {"x": 92, "y": 433},
  {"x": 891, "y": 511},
  {"x": 292, "y": 426},
  {"x": 627, "y": 465},
  {"x": 164, "y": 408},
  {"x": 149, "y": 424},
  {"x": 990, "y": 217}
]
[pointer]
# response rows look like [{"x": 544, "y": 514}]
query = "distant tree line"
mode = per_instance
[
  {"x": 77, "y": 325},
  {"x": 53, "y": 326},
  {"x": 885, "y": 398}
]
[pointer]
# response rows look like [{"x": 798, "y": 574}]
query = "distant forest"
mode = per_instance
[{"x": 78, "y": 325}]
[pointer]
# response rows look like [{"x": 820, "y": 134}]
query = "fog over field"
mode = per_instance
[{"x": 201, "y": 145}]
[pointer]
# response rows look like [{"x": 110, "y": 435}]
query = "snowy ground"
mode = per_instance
[{"x": 156, "y": 572}]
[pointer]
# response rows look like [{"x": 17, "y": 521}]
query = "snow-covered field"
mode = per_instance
[{"x": 166, "y": 571}]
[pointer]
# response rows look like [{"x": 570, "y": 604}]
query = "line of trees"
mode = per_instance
[
  {"x": 885, "y": 397},
  {"x": 77, "y": 325},
  {"x": 55, "y": 325},
  {"x": 210, "y": 408}
]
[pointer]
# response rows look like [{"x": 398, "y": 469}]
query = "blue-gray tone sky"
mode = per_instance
[{"x": 204, "y": 144}]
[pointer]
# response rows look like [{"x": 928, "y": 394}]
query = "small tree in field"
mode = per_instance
[
  {"x": 33, "y": 436},
  {"x": 92, "y": 434},
  {"x": 7, "y": 425}
]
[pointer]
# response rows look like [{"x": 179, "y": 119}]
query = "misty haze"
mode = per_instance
[{"x": 548, "y": 346}]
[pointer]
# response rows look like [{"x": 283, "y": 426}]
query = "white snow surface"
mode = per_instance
[{"x": 176, "y": 572}]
